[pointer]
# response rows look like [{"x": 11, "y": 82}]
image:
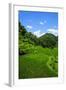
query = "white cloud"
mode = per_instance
[
  {"x": 41, "y": 23},
  {"x": 29, "y": 26},
  {"x": 53, "y": 31},
  {"x": 38, "y": 33}
]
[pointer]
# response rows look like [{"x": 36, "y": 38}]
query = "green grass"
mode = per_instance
[{"x": 39, "y": 63}]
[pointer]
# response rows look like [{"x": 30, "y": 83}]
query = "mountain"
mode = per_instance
[{"x": 48, "y": 40}]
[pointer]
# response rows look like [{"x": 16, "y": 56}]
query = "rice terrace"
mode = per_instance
[{"x": 38, "y": 44}]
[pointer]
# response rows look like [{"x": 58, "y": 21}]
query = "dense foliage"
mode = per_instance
[{"x": 27, "y": 40}]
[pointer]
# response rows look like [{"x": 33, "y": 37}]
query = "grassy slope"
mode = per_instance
[{"x": 39, "y": 63}]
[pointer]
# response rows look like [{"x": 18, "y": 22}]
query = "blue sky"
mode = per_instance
[{"x": 39, "y": 23}]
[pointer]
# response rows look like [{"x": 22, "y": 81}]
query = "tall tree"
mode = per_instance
[{"x": 22, "y": 29}]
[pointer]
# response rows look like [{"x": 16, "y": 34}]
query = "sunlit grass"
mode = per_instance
[{"x": 37, "y": 63}]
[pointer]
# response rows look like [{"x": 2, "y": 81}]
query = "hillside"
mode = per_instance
[
  {"x": 27, "y": 40},
  {"x": 48, "y": 40},
  {"x": 38, "y": 57}
]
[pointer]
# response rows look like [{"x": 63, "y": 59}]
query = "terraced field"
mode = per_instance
[{"x": 40, "y": 63}]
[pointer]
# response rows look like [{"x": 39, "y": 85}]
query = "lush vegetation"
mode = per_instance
[{"x": 38, "y": 57}]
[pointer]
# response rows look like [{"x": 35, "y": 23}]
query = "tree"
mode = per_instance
[
  {"x": 32, "y": 38},
  {"x": 22, "y": 29}
]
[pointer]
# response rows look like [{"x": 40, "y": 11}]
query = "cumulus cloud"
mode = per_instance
[
  {"x": 38, "y": 33},
  {"x": 41, "y": 23},
  {"x": 29, "y": 26},
  {"x": 53, "y": 31}
]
